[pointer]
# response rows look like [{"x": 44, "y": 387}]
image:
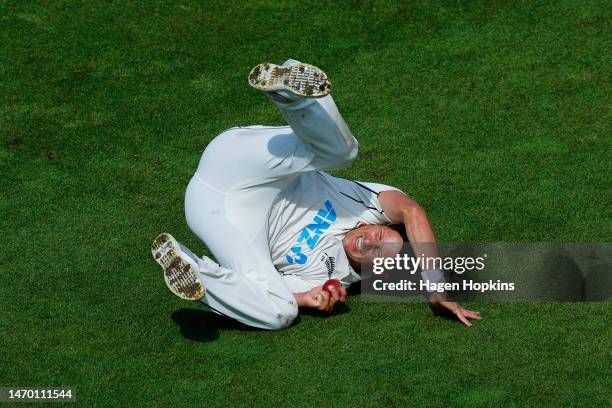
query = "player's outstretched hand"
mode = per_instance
[
  {"x": 319, "y": 299},
  {"x": 437, "y": 300}
]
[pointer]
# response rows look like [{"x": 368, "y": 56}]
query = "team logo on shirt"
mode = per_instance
[
  {"x": 311, "y": 233},
  {"x": 330, "y": 263}
]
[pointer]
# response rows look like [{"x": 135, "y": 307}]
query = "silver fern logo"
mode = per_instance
[{"x": 330, "y": 263}]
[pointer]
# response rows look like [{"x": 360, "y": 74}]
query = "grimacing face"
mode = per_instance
[{"x": 365, "y": 243}]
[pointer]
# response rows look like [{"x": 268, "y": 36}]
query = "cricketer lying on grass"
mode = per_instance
[{"x": 277, "y": 224}]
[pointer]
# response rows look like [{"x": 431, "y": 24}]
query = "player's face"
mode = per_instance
[{"x": 371, "y": 241}]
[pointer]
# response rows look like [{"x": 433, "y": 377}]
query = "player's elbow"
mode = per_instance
[{"x": 411, "y": 210}]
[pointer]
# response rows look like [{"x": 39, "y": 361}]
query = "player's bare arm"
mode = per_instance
[{"x": 402, "y": 209}]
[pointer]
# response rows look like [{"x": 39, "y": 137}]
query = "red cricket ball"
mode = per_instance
[{"x": 331, "y": 283}]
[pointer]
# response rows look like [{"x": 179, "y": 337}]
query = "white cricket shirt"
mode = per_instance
[{"x": 308, "y": 221}]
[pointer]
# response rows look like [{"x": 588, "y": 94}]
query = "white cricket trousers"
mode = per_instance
[{"x": 228, "y": 201}]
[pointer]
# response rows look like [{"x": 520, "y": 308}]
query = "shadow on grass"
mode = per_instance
[
  {"x": 443, "y": 313},
  {"x": 339, "y": 310},
  {"x": 204, "y": 325}
]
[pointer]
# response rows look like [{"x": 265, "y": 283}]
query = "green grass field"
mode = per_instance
[{"x": 495, "y": 116}]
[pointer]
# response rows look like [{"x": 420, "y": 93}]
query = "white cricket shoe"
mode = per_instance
[
  {"x": 181, "y": 272},
  {"x": 299, "y": 79}
]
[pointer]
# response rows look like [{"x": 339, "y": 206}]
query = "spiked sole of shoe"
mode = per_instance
[
  {"x": 181, "y": 277},
  {"x": 300, "y": 79}
]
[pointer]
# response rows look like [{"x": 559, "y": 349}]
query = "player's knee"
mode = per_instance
[
  {"x": 343, "y": 158},
  {"x": 353, "y": 153},
  {"x": 284, "y": 317}
]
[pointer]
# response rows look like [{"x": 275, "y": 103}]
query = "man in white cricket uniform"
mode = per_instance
[{"x": 277, "y": 224}]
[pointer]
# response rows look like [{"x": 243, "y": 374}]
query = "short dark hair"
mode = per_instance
[{"x": 399, "y": 228}]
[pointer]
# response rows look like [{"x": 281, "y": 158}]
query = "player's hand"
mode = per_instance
[
  {"x": 320, "y": 299},
  {"x": 437, "y": 300}
]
